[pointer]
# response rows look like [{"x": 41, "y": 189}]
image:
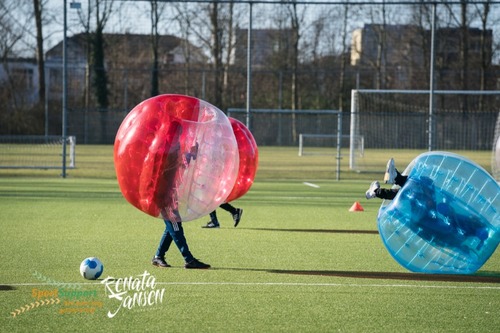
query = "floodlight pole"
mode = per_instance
[
  {"x": 431, "y": 78},
  {"x": 46, "y": 102},
  {"x": 65, "y": 92},
  {"x": 249, "y": 66}
]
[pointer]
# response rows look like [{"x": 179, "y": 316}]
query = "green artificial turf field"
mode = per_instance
[{"x": 299, "y": 261}]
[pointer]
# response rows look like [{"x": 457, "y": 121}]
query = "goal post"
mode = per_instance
[
  {"x": 36, "y": 152},
  {"x": 495, "y": 162},
  {"x": 404, "y": 119}
]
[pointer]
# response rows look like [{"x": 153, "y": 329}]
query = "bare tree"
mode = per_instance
[
  {"x": 85, "y": 22},
  {"x": 295, "y": 23},
  {"x": 318, "y": 27},
  {"x": 380, "y": 61},
  {"x": 229, "y": 45},
  {"x": 487, "y": 47},
  {"x": 94, "y": 23},
  {"x": 184, "y": 17},
  {"x": 208, "y": 29},
  {"x": 38, "y": 9},
  {"x": 421, "y": 17},
  {"x": 343, "y": 55},
  {"x": 10, "y": 34},
  {"x": 325, "y": 49},
  {"x": 462, "y": 18},
  {"x": 296, "y": 18},
  {"x": 483, "y": 12},
  {"x": 464, "y": 52},
  {"x": 11, "y": 37},
  {"x": 212, "y": 25},
  {"x": 216, "y": 50},
  {"x": 375, "y": 34},
  {"x": 156, "y": 10},
  {"x": 103, "y": 11}
]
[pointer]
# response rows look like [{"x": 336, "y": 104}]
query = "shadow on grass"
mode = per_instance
[
  {"x": 4, "y": 287},
  {"x": 479, "y": 277},
  {"x": 333, "y": 231}
]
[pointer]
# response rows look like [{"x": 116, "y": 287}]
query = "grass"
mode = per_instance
[{"x": 298, "y": 262}]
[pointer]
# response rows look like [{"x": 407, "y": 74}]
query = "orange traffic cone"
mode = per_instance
[{"x": 356, "y": 207}]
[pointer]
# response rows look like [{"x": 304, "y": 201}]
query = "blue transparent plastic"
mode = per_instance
[{"x": 445, "y": 219}]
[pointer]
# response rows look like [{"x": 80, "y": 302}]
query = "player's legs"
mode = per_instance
[
  {"x": 214, "y": 222},
  {"x": 235, "y": 212},
  {"x": 177, "y": 234},
  {"x": 375, "y": 191},
  {"x": 165, "y": 241}
]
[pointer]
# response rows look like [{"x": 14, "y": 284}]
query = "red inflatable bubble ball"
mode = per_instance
[
  {"x": 176, "y": 157},
  {"x": 249, "y": 159}
]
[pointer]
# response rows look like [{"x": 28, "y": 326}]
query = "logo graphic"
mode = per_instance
[
  {"x": 131, "y": 292},
  {"x": 135, "y": 292},
  {"x": 32, "y": 305},
  {"x": 67, "y": 297}
]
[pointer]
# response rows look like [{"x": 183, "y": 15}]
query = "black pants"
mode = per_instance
[
  {"x": 226, "y": 206},
  {"x": 389, "y": 194}
]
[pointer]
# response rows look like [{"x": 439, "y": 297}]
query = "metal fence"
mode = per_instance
[
  {"x": 385, "y": 122},
  {"x": 459, "y": 120}
]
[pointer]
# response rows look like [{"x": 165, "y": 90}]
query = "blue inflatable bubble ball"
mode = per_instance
[{"x": 445, "y": 219}]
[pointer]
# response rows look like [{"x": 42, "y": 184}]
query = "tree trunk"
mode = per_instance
[
  {"x": 39, "y": 51},
  {"x": 154, "y": 48},
  {"x": 216, "y": 53}
]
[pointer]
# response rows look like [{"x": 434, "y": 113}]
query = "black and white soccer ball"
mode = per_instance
[{"x": 91, "y": 268}]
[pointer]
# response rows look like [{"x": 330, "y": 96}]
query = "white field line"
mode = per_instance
[
  {"x": 282, "y": 284},
  {"x": 311, "y": 184}
]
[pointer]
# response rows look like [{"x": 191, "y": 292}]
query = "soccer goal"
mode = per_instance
[
  {"x": 326, "y": 144},
  {"x": 317, "y": 131},
  {"x": 36, "y": 152},
  {"x": 403, "y": 119}
]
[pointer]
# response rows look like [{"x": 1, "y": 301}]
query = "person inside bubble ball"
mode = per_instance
[
  {"x": 235, "y": 213},
  {"x": 433, "y": 221},
  {"x": 176, "y": 161}
]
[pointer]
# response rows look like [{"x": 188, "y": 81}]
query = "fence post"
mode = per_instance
[{"x": 353, "y": 130}]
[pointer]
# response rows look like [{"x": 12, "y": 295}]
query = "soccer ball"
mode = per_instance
[{"x": 91, "y": 268}]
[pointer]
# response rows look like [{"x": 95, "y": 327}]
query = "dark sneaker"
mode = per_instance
[
  {"x": 212, "y": 224},
  {"x": 237, "y": 216},
  {"x": 390, "y": 172},
  {"x": 370, "y": 194},
  {"x": 160, "y": 262},
  {"x": 196, "y": 264}
]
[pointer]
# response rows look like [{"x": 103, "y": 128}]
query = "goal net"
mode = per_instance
[
  {"x": 495, "y": 163},
  {"x": 402, "y": 119},
  {"x": 325, "y": 144},
  {"x": 318, "y": 132},
  {"x": 35, "y": 152}
]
